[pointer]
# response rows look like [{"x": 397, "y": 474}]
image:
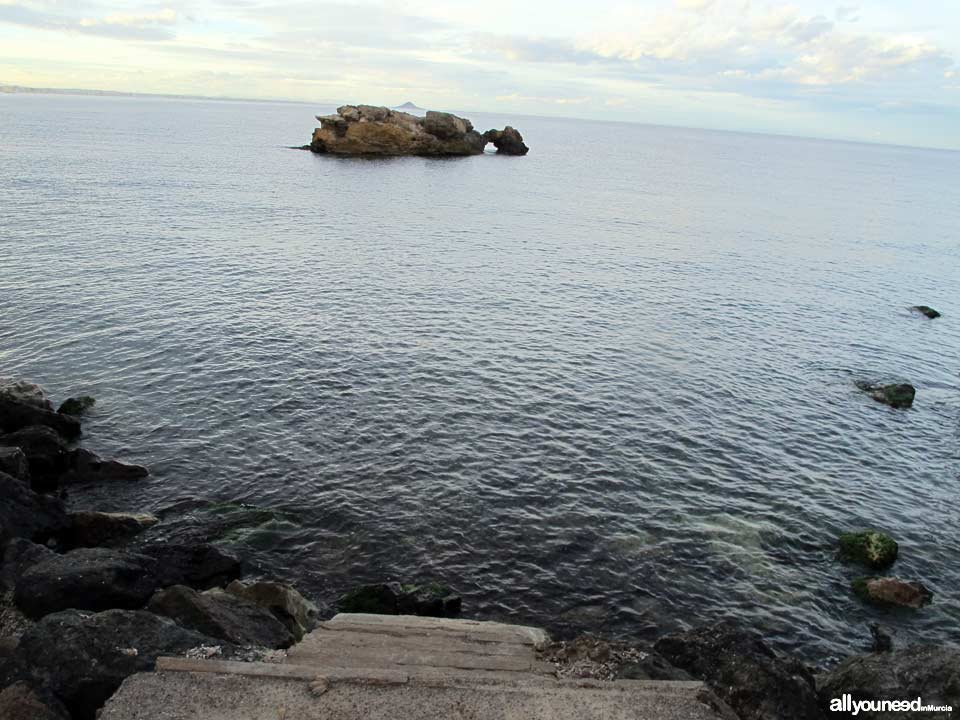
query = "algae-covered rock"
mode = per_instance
[
  {"x": 874, "y": 549},
  {"x": 897, "y": 395},
  {"x": 76, "y": 405},
  {"x": 926, "y": 310},
  {"x": 891, "y": 592},
  {"x": 287, "y": 605},
  {"x": 431, "y": 600}
]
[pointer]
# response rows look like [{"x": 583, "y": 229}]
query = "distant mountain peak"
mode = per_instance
[{"x": 409, "y": 106}]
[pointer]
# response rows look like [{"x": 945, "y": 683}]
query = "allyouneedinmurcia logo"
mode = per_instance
[{"x": 846, "y": 703}]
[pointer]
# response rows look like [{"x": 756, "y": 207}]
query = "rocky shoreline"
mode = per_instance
[{"x": 85, "y": 602}]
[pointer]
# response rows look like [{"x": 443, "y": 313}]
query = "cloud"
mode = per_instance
[
  {"x": 848, "y": 13},
  {"x": 118, "y": 26}
]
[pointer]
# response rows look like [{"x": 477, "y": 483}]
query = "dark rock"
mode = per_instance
[
  {"x": 928, "y": 672},
  {"x": 46, "y": 452},
  {"x": 83, "y": 657},
  {"x": 24, "y": 392},
  {"x": 899, "y": 395},
  {"x": 14, "y": 462},
  {"x": 395, "y": 599},
  {"x": 86, "y": 579},
  {"x": 371, "y": 130},
  {"x": 198, "y": 566},
  {"x": 76, "y": 405},
  {"x": 88, "y": 467},
  {"x": 745, "y": 672},
  {"x": 891, "y": 592},
  {"x": 874, "y": 549},
  {"x": 507, "y": 141},
  {"x": 22, "y": 702},
  {"x": 94, "y": 529},
  {"x": 298, "y": 614},
  {"x": 882, "y": 642},
  {"x": 651, "y": 667},
  {"x": 16, "y": 415},
  {"x": 926, "y": 310},
  {"x": 27, "y": 514},
  {"x": 221, "y": 615},
  {"x": 20, "y": 554}
]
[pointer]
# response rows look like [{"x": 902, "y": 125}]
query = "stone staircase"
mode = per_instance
[{"x": 380, "y": 667}]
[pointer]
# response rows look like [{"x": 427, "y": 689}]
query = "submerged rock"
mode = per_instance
[
  {"x": 84, "y": 466},
  {"x": 508, "y": 141},
  {"x": 924, "y": 671},
  {"x": 891, "y": 592},
  {"x": 874, "y": 549},
  {"x": 83, "y": 657},
  {"x": 27, "y": 514},
  {"x": 86, "y": 579},
  {"x": 221, "y": 615},
  {"x": 926, "y": 310},
  {"x": 432, "y": 600},
  {"x": 93, "y": 529},
  {"x": 899, "y": 395},
  {"x": 744, "y": 672},
  {"x": 76, "y": 405},
  {"x": 297, "y": 613},
  {"x": 371, "y": 130}
]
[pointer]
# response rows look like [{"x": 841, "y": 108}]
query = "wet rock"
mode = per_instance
[
  {"x": 198, "y": 566},
  {"x": 898, "y": 395},
  {"x": 20, "y": 554},
  {"x": 392, "y": 598},
  {"x": 76, "y": 406},
  {"x": 874, "y": 549},
  {"x": 16, "y": 415},
  {"x": 298, "y": 614},
  {"x": 928, "y": 672},
  {"x": 46, "y": 452},
  {"x": 371, "y": 130},
  {"x": 507, "y": 141},
  {"x": 24, "y": 392},
  {"x": 891, "y": 592},
  {"x": 27, "y": 514},
  {"x": 94, "y": 529},
  {"x": 926, "y": 310},
  {"x": 22, "y": 702},
  {"x": 86, "y": 579},
  {"x": 83, "y": 657},
  {"x": 14, "y": 462},
  {"x": 221, "y": 615},
  {"x": 744, "y": 672},
  {"x": 651, "y": 667},
  {"x": 88, "y": 467},
  {"x": 881, "y": 640}
]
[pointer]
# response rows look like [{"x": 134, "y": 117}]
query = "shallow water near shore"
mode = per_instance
[{"x": 608, "y": 386}]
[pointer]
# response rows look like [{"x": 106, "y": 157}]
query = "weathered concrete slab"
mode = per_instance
[{"x": 474, "y": 630}]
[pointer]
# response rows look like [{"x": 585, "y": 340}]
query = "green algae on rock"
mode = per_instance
[
  {"x": 874, "y": 549},
  {"x": 926, "y": 310},
  {"x": 76, "y": 405},
  {"x": 897, "y": 395}
]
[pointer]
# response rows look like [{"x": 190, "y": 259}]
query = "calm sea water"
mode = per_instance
[{"x": 608, "y": 386}]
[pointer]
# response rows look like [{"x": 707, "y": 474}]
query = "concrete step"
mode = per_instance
[
  {"x": 407, "y": 625},
  {"x": 190, "y": 689}
]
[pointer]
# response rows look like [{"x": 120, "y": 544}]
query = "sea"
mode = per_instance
[{"x": 608, "y": 387}]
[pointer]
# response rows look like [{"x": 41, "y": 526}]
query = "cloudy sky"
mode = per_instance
[{"x": 878, "y": 70}]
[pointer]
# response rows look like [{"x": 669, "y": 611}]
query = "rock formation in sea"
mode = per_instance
[{"x": 380, "y": 131}]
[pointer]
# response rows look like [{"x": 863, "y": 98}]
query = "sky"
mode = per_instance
[{"x": 872, "y": 70}]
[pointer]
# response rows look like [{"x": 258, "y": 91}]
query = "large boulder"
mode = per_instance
[
  {"x": 46, "y": 451},
  {"x": 392, "y": 598},
  {"x": 20, "y": 554},
  {"x": 874, "y": 549},
  {"x": 24, "y": 392},
  {"x": 88, "y": 467},
  {"x": 83, "y": 657},
  {"x": 86, "y": 579},
  {"x": 22, "y": 702},
  {"x": 891, "y": 592},
  {"x": 76, "y": 405},
  {"x": 221, "y": 615},
  {"x": 931, "y": 673},
  {"x": 508, "y": 141},
  {"x": 745, "y": 672},
  {"x": 898, "y": 395},
  {"x": 89, "y": 528},
  {"x": 13, "y": 461},
  {"x": 291, "y": 608},
  {"x": 198, "y": 566},
  {"x": 370, "y": 130},
  {"x": 27, "y": 514},
  {"x": 17, "y": 414}
]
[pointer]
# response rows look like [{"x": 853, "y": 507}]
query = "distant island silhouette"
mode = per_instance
[{"x": 408, "y": 106}]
